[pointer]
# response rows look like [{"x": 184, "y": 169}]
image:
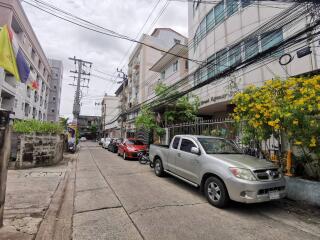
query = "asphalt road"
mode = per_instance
[{"x": 121, "y": 199}]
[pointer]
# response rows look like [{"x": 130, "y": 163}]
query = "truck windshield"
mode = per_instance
[{"x": 218, "y": 146}]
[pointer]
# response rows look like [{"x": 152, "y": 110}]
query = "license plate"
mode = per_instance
[{"x": 274, "y": 195}]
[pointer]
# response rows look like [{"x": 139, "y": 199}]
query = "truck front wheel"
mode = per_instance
[
  {"x": 158, "y": 168},
  {"x": 216, "y": 192}
]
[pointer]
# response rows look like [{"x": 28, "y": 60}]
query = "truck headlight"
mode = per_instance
[{"x": 242, "y": 173}]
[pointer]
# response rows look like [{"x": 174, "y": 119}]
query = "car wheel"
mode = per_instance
[
  {"x": 124, "y": 156},
  {"x": 216, "y": 192},
  {"x": 158, "y": 168}
]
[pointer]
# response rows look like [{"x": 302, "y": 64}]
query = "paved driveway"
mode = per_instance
[{"x": 121, "y": 199}]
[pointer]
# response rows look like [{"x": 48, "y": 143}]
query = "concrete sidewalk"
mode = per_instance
[{"x": 29, "y": 194}]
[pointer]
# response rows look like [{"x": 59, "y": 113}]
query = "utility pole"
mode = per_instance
[
  {"x": 5, "y": 148},
  {"x": 82, "y": 76},
  {"x": 124, "y": 77}
]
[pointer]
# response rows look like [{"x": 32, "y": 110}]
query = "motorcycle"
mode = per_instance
[
  {"x": 72, "y": 147},
  {"x": 144, "y": 158}
]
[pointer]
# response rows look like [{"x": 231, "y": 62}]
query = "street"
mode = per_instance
[{"x": 121, "y": 199}]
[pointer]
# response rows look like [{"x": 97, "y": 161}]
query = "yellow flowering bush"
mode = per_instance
[{"x": 290, "y": 107}]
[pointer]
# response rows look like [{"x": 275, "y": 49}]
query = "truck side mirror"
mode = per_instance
[{"x": 195, "y": 150}]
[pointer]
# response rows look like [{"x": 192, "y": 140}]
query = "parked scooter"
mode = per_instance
[
  {"x": 144, "y": 158},
  {"x": 72, "y": 147}
]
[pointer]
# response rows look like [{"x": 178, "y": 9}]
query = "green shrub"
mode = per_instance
[{"x": 34, "y": 126}]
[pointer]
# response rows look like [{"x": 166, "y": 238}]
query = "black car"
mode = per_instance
[{"x": 113, "y": 145}]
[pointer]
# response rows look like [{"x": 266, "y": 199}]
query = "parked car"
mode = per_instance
[
  {"x": 100, "y": 141},
  {"x": 106, "y": 142},
  {"x": 130, "y": 148},
  {"x": 113, "y": 145},
  {"x": 220, "y": 169},
  {"x": 83, "y": 139}
]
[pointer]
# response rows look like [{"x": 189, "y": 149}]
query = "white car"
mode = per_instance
[
  {"x": 83, "y": 139},
  {"x": 105, "y": 142}
]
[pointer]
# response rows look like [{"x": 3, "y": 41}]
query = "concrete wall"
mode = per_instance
[
  {"x": 303, "y": 190},
  {"x": 38, "y": 150}
]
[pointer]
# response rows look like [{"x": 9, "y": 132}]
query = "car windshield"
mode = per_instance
[
  {"x": 218, "y": 146},
  {"x": 135, "y": 142}
]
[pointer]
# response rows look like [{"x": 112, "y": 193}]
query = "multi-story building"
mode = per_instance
[
  {"x": 89, "y": 126},
  {"x": 140, "y": 61},
  {"x": 55, "y": 90},
  {"x": 110, "y": 110},
  {"x": 16, "y": 96},
  {"x": 229, "y": 32}
]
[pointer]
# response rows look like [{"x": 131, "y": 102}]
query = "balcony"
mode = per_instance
[{"x": 7, "y": 100}]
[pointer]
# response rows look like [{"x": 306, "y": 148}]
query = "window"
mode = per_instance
[
  {"x": 232, "y": 7},
  {"x": 222, "y": 60},
  {"x": 175, "y": 143},
  {"x": 251, "y": 47},
  {"x": 55, "y": 87},
  {"x": 219, "y": 12},
  {"x": 211, "y": 66},
  {"x": 202, "y": 31},
  {"x": 16, "y": 103},
  {"x": 52, "y": 110},
  {"x": 163, "y": 74},
  {"x": 175, "y": 66},
  {"x": 186, "y": 145},
  {"x": 210, "y": 20},
  {"x": 246, "y": 3},
  {"x": 187, "y": 64},
  {"x": 271, "y": 39},
  {"x": 177, "y": 41},
  {"x": 54, "y": 98},
  {"x": 235, "y": 55}
]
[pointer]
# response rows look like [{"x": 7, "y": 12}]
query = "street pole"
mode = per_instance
[{"x": 5, "y": 148}]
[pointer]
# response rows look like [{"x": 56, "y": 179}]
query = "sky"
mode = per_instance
[{"x": 61, "y": 40}]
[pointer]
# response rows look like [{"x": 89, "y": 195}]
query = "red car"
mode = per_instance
[{"x": 130, "y": 148}]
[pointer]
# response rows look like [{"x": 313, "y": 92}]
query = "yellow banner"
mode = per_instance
[{"x": 7, "y": 56}]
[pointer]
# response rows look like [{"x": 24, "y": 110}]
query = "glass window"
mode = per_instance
[
  {"x": 219, "y": 12},
  {"x": 186, "y": 145},
  {"x": 251, "y": 47},
  {"x": 218, "y": 146},
  {"x": 175, "y": 66},
  {"x": 134, "y": 142},
  {"x": 163, "y": 74},
  {"x": 246, "y": 3},
  {"x": 175, "y": 143},
  {"x": 222, "y": 60},
  {"x": 235, "y": 55},
  {"x": 202, "y": 32},
  {"x": 210, "y": 20},
  {"x": 211, "y": 66},
  {"x": 232, "y": 7},
  {"x": 271, "y": 39}
]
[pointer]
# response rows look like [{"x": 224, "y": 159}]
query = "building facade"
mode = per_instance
[
  {"x": 230, "y": 32},
  {"x": 16, "y": 96},
  {"x": 89, "y": 126},
  {"x": 55, "y": 90},
  {"x": 140, "y": 79},
  {"x": 110, "y": 110}
]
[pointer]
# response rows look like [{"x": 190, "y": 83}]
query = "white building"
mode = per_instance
[
  {"x": 16, "y": 96},
  {"x": 110, "y": 110},
  {"x": 227, "y": 32},
  {"x": 139, "y": 74},
  {"x": 55, "y": 90}
]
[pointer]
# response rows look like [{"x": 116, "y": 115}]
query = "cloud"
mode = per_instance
[{"x": 61, "y": 40}]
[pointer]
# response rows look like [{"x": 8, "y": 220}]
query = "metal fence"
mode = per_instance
[{"x": 228, "y": 129}]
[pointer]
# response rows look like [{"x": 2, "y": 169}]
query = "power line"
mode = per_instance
[{"x": 112, "y": 34}]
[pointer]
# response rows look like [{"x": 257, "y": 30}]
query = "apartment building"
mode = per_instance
[
  {"x": 55, "y": 90},
  {"x": 140, "y": 61},
  {"x": 110, "y": 110},
  {"x": 225, "y": 33},
  {"x": 16, "y": 96}
]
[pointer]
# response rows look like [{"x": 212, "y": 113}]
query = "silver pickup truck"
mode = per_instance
[{"x": 219, "y": 168}]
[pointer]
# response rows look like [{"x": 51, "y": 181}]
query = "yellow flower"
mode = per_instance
[
  {"x": 313, "y": 142},
  {"x": 295, "y": 122},
  {"x": 297, "y": 142},
  {"x": 257, "y": 115}
]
